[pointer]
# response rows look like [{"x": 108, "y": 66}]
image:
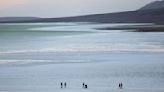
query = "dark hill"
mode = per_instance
[
  {"x": 154, "y": 5},
  {"x": 140, "y": 16},
  {"x": 16, "y": 18}
]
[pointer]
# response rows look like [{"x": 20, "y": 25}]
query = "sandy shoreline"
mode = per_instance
[
  {"x": 87, "y": 90},
  {"x": 100, "y": 77}
]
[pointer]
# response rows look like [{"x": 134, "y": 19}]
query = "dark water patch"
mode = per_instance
[{"x": 142, "y": 28}]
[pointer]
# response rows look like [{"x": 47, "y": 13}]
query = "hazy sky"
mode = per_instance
[{"x": 60, "y": 8}]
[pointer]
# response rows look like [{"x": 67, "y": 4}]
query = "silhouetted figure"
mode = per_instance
[
  {"x": 121, "y": 85},
  {"x": 65, "y": 84},
  {"x": 61, "y": 85},
  {"x": 83, "y": 85},
  {"x": 86, "y": 86}
]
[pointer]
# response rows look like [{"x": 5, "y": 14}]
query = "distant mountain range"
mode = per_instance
[
  {"x": 16, "y": 18},
  {"x": 151, "y": 13}
]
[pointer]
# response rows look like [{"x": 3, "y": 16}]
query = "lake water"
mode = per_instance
[{"x": 38, "y": 56}]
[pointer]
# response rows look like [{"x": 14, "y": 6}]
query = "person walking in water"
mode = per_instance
[
  {"x": 65, "y": 85},
  {"x": 61, "y": 84}
]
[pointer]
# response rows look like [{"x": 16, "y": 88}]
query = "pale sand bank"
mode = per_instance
[{"x": 99, "y": 76}]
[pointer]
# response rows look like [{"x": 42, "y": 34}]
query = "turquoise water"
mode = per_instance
[
  {"x": 75, "y": 38},
  {"x": 29, "y": 51}
]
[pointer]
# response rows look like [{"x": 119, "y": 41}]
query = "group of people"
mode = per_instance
[
  {"x": 63, "y": 85},
  {"x": 85, "y": 86},
  {"x": 120, "y": 85}
]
